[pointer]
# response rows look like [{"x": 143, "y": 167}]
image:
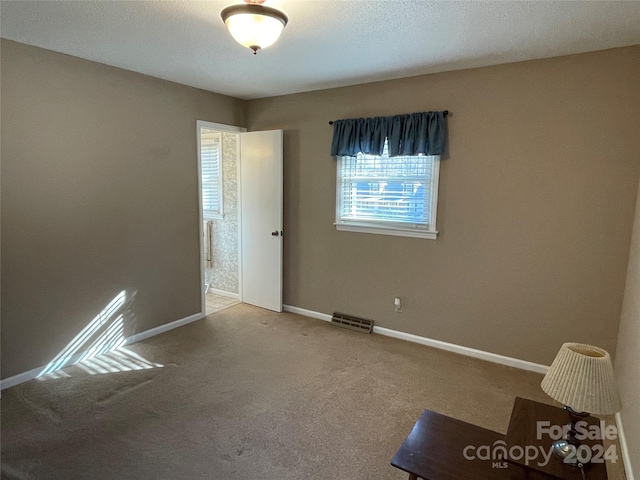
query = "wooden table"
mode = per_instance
[
  {"x": 523, "y": 431},
  {"x": 435, "y": 450}
]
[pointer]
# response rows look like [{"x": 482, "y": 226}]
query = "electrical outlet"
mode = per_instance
[{"x": 397, "y": 303}]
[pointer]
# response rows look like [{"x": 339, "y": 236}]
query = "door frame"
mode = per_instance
[{"x": 224, "y": 129}]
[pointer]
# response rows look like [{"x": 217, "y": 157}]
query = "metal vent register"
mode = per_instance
[{"x": 353, "y": 323}]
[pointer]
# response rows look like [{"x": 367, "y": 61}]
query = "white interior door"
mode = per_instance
[{"x": 261, "y": 208}]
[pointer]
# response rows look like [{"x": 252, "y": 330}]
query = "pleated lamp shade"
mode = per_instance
[{"x": 581, "y": 377}]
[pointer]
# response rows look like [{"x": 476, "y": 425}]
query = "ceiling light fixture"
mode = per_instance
[{"x": 253, "y": 25}]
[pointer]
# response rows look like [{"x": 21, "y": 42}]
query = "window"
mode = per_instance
[
  {"x": 388, "y": 195},
  {"x": 211, "y": 165}
]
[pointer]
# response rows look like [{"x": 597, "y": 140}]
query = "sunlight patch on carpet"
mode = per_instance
[{"x": 99, "y": 347}]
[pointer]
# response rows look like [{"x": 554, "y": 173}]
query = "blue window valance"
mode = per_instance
[{"x": 409, "y": 134}]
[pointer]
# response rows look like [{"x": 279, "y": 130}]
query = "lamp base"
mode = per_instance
[
  {"x": 564, "y": 449},
  {"x": 567, "y": 446}
]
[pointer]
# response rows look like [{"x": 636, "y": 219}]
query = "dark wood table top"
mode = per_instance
[
  {"x": 523, "y": 432},
  {"x": 435, "y": 450}
]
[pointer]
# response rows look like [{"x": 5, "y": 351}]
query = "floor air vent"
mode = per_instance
[{"x": 354, "y": 323}]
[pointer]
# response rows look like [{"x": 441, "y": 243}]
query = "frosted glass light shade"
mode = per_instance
[
  {"x": 254, "y": 26},
  {"x": 581, "y": 377}
]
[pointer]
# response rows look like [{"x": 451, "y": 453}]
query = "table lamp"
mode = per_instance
[{"x": 581, "y": 378}]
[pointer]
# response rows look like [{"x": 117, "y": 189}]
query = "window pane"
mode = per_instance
[
  {"x": 210, "y": 164},
  {"x": 396, "y": 189}
]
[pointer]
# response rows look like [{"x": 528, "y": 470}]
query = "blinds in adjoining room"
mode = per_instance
[{"x": 210, "y": 163}]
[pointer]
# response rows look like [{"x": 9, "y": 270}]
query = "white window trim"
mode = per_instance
[{"x": 384, "y": 228}]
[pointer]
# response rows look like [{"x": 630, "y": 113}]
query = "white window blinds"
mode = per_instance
[
  {"x": 211, "y": 165},
  {"x": 392, "y": 192}
]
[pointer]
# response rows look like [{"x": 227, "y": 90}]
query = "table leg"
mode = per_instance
[{"x": 413, "y": 476}]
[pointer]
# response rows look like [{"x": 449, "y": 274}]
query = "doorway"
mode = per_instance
[
  {"x": 219, "y": 173},
  {"x": 240, "y": 195}
]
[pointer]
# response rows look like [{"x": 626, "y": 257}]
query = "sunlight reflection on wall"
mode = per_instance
[{"x": 99, "y": 347}]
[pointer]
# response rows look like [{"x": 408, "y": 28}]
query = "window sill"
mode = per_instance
[{"x": 398, "y": 232}]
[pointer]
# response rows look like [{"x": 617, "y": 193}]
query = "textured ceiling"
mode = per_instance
[{"x": 326, "y": 44}]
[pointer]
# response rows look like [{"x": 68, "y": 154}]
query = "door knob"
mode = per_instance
[{"x": 275, "y": 234}]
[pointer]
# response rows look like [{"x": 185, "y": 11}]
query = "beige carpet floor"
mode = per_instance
[{"x": 250, "y": 394}]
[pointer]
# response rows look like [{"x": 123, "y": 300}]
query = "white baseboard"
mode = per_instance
[
  {"x": 222, "y": 293},
  {"x": 450, "y": 347},
  {"x": 20, "y": 378},
  {"x": 307, "y": 313},
  {"x": 33, "y": 373},
  {"x": 626, "y": 456},
  {"x": 462, "y": 350},
  {"x": 163, "y": 328}
]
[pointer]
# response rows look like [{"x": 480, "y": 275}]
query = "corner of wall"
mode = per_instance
[{"x": 628, "y": 356}]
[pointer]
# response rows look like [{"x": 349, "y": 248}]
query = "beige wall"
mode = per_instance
[
  {"x": 536, "y": 205},
  {"x": 537, "y": 196},
  {"x": 99, "y": 195},
  {"x": 627, "y": 365}
]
